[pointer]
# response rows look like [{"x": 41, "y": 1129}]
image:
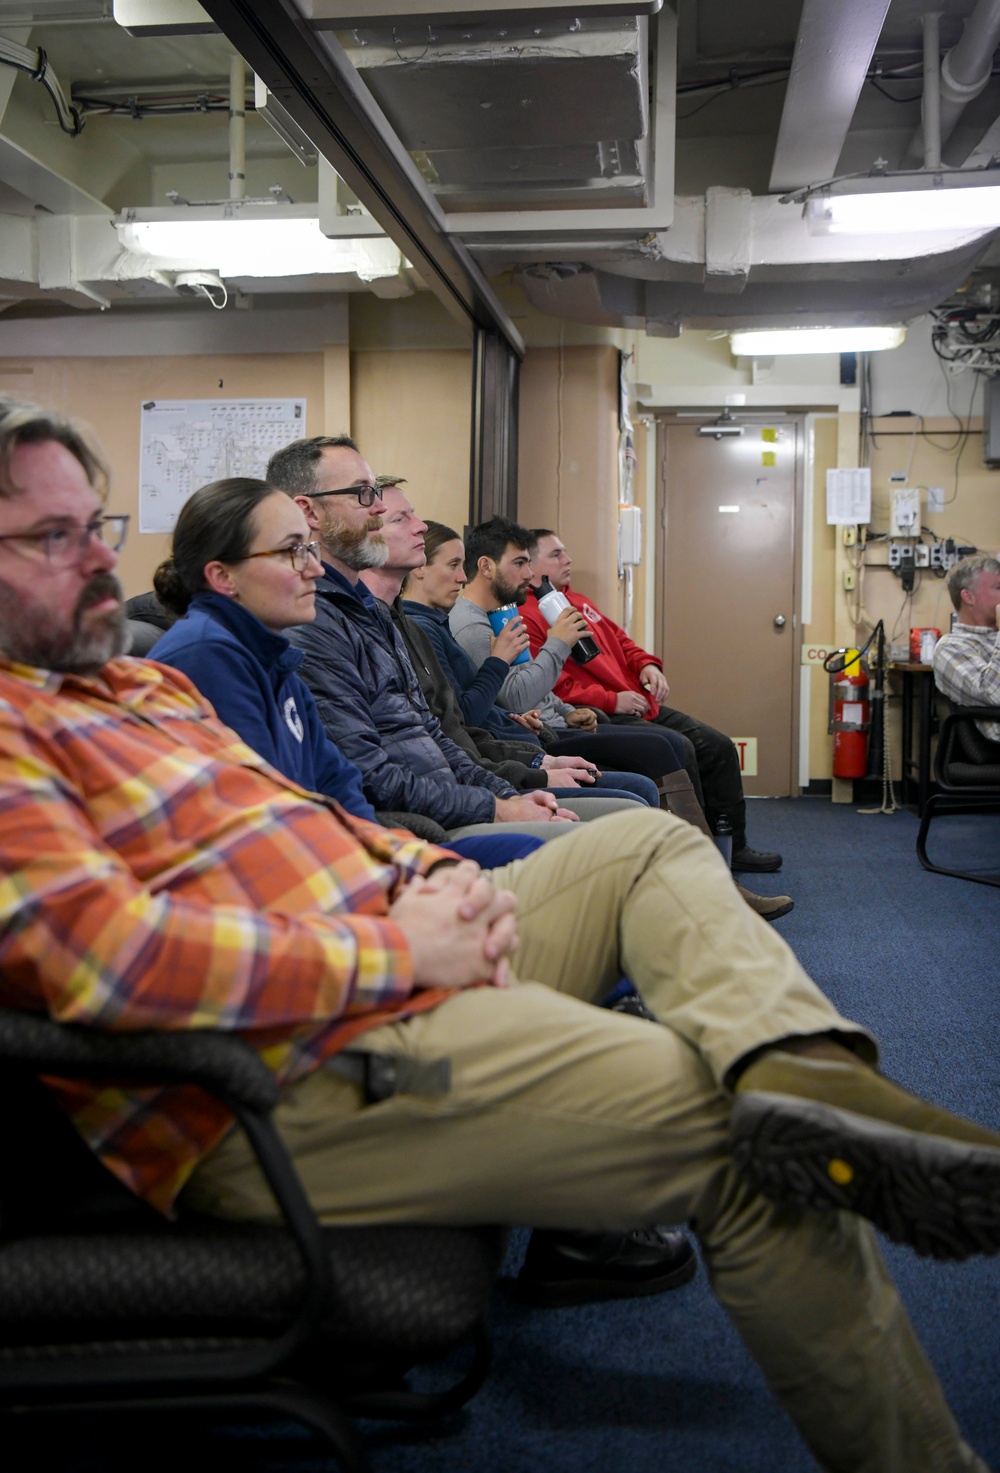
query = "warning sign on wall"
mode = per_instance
[{"x": 747, "y": 749}]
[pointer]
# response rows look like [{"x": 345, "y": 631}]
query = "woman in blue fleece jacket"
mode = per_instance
[{"x": 242, "y": 570}]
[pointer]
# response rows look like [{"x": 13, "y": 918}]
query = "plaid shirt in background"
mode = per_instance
[
  {"x": 967, "y": 670},
  {"x": 156, "y": 873}
]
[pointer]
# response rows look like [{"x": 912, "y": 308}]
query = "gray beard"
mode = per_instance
[
  {"x": 370, "y": 552},
  {"x": 73, "y": 651}
]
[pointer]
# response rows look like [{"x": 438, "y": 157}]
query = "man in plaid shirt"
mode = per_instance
[
  {"x": 967, "y": 661},
  {"x": 157, "y": 874}
]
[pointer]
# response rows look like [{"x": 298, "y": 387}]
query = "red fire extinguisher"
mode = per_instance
[{"x": 849, "y": 719}]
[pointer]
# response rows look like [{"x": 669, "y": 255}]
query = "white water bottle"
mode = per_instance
[{"x": 552, "y": 602}]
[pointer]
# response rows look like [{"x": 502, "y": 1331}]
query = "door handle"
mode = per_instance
[{"x": 779, "y": 621}]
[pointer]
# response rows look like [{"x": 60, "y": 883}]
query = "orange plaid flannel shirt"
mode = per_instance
[{"x": 157, "y": 873}]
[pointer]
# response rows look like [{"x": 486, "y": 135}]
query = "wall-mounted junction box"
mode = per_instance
[{"x": 904, "y": 519}]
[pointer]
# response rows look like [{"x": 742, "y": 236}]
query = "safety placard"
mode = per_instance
[
  {"x": 746, "y": 747},
  {"x": 849, "y": 496}
]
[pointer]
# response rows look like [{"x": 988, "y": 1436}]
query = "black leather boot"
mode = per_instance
[{"x": 562, "y": 1268}]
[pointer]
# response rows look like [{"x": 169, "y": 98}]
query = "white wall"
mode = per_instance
[{"x": 911, "y": 377}]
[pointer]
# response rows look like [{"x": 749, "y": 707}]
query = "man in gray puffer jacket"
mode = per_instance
[{"x": 368, "y": 695}]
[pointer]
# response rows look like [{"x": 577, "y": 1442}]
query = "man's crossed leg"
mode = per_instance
[{"x": 566, "y": 1116}]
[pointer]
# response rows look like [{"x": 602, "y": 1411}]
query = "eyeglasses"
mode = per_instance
[
  {"x": 366, "y": 493},
  {"x": 65, "y": 546},
  {"x": 298, "y": 554}
]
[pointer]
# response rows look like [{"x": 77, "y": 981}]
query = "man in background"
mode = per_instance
[
  {"x": 967, "y": 661},
  {"x": 357, "y": 667}
]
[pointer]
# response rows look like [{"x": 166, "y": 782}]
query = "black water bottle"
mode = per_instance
[
  {"x": 724, "y": 837},
  {"x": 552, "y": 602}
]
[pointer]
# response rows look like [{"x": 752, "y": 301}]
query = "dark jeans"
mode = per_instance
[
  {"x": 644, "y": 748},
  {"x": 491, "y": 850},
  {"x": 718, "y": 765},
  {"x": 611, "y": 785}
]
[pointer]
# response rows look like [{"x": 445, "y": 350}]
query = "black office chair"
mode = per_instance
[
  {"x": 967, "y": 772},
  {"x": 106, "y": 1306},
  {"x": 146, "y": 621}
]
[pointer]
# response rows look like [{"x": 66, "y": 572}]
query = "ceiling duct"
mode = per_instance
[
  {"x": 534, "y": 114},
  {"x": 544, "y": 136},
  {"x": 791, "y": 277}
]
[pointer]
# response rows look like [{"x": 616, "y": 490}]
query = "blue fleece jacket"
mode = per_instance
[{"x": 248, "y": 673}]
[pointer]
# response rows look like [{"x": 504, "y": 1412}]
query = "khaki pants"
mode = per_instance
[{"x": 563, "y": 1115}]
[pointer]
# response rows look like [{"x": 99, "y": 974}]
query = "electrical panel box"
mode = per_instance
[
  {"x": 904, "y": 520},
  {"x": 991, "y": 423},
  {"x": 630, "y": 535}
]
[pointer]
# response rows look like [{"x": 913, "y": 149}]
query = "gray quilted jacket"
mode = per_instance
[{"x": 371, "y": 705}]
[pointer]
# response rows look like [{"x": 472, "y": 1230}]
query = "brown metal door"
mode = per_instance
[{"x": 728, "y": 626}]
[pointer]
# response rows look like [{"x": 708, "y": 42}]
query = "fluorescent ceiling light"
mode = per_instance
[
  {"x": 244, "y": 246},
  {"x": 895, "y": 212},
  {"x": 770, "y": 342}
]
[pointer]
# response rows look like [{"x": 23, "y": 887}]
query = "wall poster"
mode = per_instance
[{"x": 184, "y": 443}]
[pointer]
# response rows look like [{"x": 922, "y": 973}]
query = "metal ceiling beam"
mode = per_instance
[
  {"x": 310, "y": 75},
  {"x": 833, "y": 50},
  {"x": 187, "y": 17},
  {"x": 346, "y": 14}
]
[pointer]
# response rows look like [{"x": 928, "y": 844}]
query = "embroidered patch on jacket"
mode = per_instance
[{"x": 293, "y": 720}]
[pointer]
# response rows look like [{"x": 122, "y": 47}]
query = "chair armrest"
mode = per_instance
[
  {"x": 417, "y": 823},
  {"x": 974, "y": 713},
  {"x": 219, "y": 1062},
  {"x": 226, "y": 1067}
]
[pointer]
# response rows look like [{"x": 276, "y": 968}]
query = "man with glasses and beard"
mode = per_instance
[{"x": 358, "y": 669}]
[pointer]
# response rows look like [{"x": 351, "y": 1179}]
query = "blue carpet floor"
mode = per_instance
[{"x": 665, "y": 1384}]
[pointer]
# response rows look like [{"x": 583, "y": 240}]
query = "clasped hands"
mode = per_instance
[{"x": 459, "y": 927}]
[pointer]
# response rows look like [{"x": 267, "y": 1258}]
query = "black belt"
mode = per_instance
[{"x": 381, "y": 1076}]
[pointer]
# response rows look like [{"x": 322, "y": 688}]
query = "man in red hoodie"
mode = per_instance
[{"x": 628, "y": 684}]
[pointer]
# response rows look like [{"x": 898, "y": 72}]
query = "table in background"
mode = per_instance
[{"x": 918, "y": 685}]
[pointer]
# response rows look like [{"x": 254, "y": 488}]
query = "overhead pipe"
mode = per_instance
[
  {"x": 963, "y": 73},
  {"x": 237, "y": 128}
]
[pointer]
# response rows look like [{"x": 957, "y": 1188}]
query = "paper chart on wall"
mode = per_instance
[
  {"x": 849, "y": 496},
  {"x": 183, "y": 443}
]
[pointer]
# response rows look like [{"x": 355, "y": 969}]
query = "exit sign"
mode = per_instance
[{"x": 746, "y": 748}]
